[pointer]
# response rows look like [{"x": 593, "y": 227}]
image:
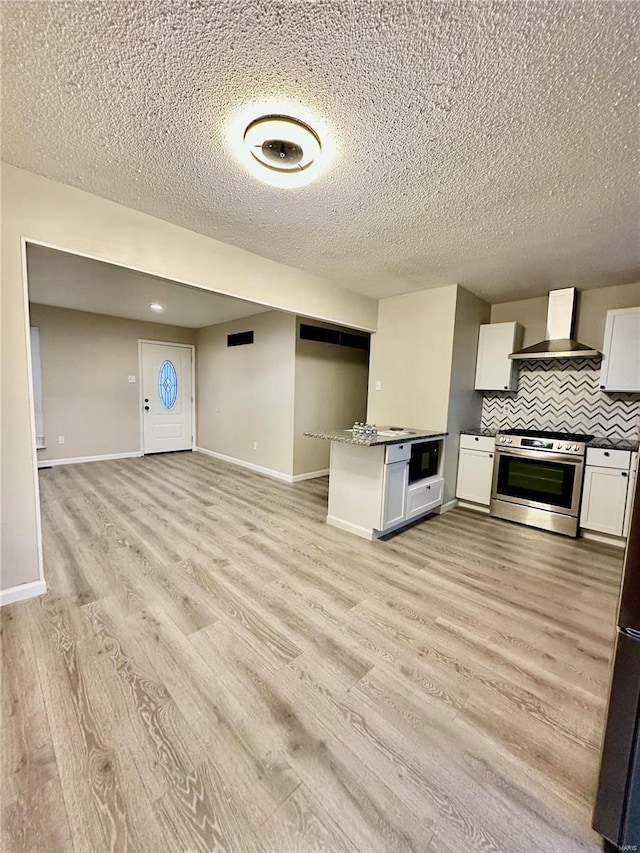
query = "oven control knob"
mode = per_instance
[{"x": 510, "y": 440}]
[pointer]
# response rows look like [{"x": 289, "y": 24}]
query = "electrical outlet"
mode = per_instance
[
  {"x": 378, "y": 385},
  {"x": 255, "y": 445},
  {"x": 60, "y": 439},
  {"x": 131, "y": 379}
]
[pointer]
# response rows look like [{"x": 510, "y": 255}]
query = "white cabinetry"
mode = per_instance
[
  {"x": 369, "y": 490},
  {"x": 394, "y": 495},
  {"x": 633, "y": 474},
  {"x": 475, "y": 469},
  {"x": 620, "y": 370},
  {"x": 423, "y": 496},
  {"x": 495, "y": 371},
  {"x": 607, "y": 492}
]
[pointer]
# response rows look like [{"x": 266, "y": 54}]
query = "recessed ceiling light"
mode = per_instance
[
  {"x": 277, "y": 148},
  {"x": 155, "y": 306},
  {"x": 282, "y": 146}
]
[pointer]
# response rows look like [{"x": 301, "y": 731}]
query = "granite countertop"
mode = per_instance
[
  {"x": 345, "y": 436},
  {"x": 614, "y": 443}
]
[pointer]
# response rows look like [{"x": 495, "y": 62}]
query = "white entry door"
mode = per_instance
[{"x": 166, "y": 397}]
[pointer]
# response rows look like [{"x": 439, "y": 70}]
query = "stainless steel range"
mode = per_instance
[{"x": 537, "y": 478}]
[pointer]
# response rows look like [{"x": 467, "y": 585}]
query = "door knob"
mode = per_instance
[{"x": 146, "y": 408}]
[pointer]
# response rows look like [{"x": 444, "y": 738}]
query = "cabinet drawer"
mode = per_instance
[
  {"x": 478, "y": 442},
  {"x": 424, "y": 496},
  {"x": 397, "y": 453},
  {"x": 609, "y": 458}
]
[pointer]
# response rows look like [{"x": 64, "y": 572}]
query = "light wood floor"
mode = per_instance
[{"x": 215, "y": 669}]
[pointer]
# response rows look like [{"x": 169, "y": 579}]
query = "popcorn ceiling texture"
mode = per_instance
[{"x": 488, "y": 143}]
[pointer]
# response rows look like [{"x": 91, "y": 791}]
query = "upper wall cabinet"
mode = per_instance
[
  {"x": 495, "y": 371},
  {"x": 620, "y": 369}
]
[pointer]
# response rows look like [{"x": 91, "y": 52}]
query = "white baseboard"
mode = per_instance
[
  {"x": 22, "y": 592},
  {"x": 452, "y": 504},
  {"x": 363, "y": 532},
  {"x": 474, "y": 507},
  {"x": 77, "y": 460},
  {"x": 617, "y": 541},
  {"x": 266, "y": 472},
  {"x": 310, "y": 476},
  {"x": 259, "y": 469}
]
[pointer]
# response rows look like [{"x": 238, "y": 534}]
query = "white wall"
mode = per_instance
[
  {"x": 424, "y": 354},
  {"x": 86, "y": 361},
  {"x": 331, "y": 393},
  {"x": 69, "y": 219},
  {"x": 245, "y": 394},
  {"x": 465, "y": 403},
  {"x": 590, "y": 316},
  {"x": 411, "y": 356}
]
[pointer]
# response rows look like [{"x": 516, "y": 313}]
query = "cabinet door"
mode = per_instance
[
  {"x": 475, "y": 473},
  {"x": 620, "y": 369},
  {"x": 495, "y": 371},
  {"x": 394, "y": 500},
  {"x": 604, "y": 499},
  {"x": 631, "y": 490}
]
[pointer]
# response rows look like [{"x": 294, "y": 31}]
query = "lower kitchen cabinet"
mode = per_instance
[
  {"x": 394, "y": 496},
  {"x": 475, "y": 472},
  {"x": 422, "y": 496},
  {"x": 604, "y": 499},
  {"x": 633, "y": 474},
  {"x": 475, "y": 469}
]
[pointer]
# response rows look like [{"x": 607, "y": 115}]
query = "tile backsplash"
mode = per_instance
[{"x": 563, "y": 395}]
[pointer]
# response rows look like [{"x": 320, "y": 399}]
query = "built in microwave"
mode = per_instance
[{"x": 424, "y": 461}]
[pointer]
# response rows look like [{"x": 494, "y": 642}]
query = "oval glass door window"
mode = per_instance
[{"x": 168, "y": 384}]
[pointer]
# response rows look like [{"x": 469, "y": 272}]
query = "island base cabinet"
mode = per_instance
[
  {"x": 475, "y": 474},
  {"x": 604, "y": 499},
  {"x": 394, "y": 495}
]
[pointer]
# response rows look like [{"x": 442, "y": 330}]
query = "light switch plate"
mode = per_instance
[
  {"x": 378, "y": 385},
  {"x": 132, "y": 379}
]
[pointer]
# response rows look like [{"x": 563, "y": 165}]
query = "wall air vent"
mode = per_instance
[
  {"x": 240, "y": 339},
  {"x": 334, "y": 336}
]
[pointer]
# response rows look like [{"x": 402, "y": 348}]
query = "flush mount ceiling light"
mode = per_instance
[
  {"x": 282, "y": 151},
  {"x": 155, "y": 306}
]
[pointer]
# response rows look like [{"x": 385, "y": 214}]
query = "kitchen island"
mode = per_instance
[{"x": 381, "y": 483}]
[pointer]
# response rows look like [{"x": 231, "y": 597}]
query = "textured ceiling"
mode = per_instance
[
  {"x": 489, "y": 143},
  {"x": 71, "y": 281}
]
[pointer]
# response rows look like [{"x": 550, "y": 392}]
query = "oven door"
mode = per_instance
[{"x": 551, "y": 481}]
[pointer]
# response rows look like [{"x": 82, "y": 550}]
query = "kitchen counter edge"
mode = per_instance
[{"x": 346, "y": 437}]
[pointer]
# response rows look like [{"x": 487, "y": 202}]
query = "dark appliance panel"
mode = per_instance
[
  {"x": 536, "y": 479},
  {"x": 629, "y": 615},
  {"x": 424, "y": 461},
  {"x": 620, "y": 745}
]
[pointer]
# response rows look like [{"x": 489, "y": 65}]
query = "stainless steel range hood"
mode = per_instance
[{"x": 559, "y": 342}]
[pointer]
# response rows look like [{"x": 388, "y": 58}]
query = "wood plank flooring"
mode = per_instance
[{"x": 215, "y": 669}]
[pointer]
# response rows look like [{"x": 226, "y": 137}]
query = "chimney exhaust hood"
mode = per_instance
[{"x": 559, "y": 342}]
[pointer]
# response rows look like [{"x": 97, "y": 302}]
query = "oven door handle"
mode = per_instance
[{"x": 539, "y": 455}]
